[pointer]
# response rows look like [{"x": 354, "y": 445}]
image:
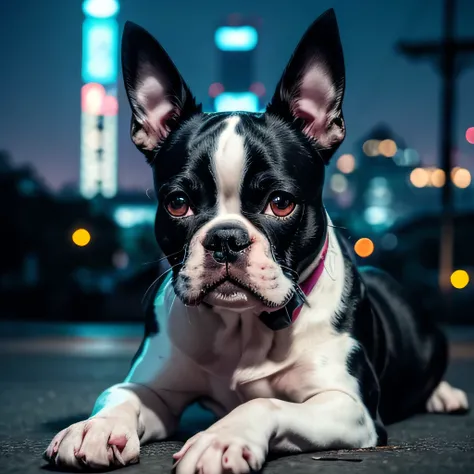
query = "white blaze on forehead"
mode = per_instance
[{"x": 229, "y": 165}]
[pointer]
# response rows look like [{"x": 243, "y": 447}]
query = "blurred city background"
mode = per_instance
[{"x": 76, "y": 198}]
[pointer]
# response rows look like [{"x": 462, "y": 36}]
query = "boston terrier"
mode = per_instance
[{"x": 263, "y": 316}]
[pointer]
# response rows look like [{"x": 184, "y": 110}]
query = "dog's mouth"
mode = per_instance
[
  {"x": 229, "y": 291},
  {"x": 229, "y": 295}
]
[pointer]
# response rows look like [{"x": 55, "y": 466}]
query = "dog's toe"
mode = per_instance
[
  {"x": 447, "y": 399},
  {"x": 97, "y": 443}
]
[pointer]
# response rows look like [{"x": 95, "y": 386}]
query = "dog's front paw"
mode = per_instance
[
  {"x": 222, "y": 449},
  {"x": 96, "y": 443}
]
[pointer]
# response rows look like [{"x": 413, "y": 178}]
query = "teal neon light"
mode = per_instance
[
  {"x": 236, "y": 38},
  {"x": 100, "y": 8},
  {"x": 100, "y": 50},
  {"x": 237, "y": 101}
]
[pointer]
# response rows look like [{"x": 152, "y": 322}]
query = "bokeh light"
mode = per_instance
[
  {"x": 338, "y": 183},
  {"x": 387, "y": 148},
  {"x": 411, "y": 157},
  {"x": 215, "y": 89},
  {"x": 460, "y": 279},
  {"x": 438, "y": 178},
  {"x": 100, "y": 8},
  {"x": 81, "y": 237},
  {"x": 462, "y": 178},
  {"x": 389, "y": 241},
  {"x": 364, "y": 247},
  {"x": 236, "y": 38},
  {"x": 110, "y": 105},
  {"x": 470, "y": 135},
  {"x": 258, "y": 88},
  {"x": 92, "y": 96},
  {"x": 120, "y": 259},
  {"x": 419, "y": 177},
  {"x": 377, "y": 215},
  {"x": 371, "y": 147},
  {"x": 346, "y": 163}
]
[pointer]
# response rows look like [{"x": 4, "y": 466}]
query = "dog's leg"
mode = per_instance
[
  {"x": 145, "y": 408},
  {"x": 447, "y": 399},
  {"x": 239, "y": 441}
]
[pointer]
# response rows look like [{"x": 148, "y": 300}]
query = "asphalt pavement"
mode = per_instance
[{"x": 47, "y": 383}]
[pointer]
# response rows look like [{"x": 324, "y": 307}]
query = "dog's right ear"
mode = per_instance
[{"x": 158, "y": 95}]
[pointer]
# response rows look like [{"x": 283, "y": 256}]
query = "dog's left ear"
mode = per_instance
[{"x": 311, "y": 89}]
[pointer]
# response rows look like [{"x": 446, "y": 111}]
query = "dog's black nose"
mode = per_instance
[{"x": 226, "y": 241}]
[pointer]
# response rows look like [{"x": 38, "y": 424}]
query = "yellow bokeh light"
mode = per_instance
[
  {"x": 387, "y": 148},
  {"x": 462, "y": 178},
  {"x": 419, "y": 177},
  {"x": 454, "y": 171},
  {"x": 346, "y": 163},
  {"x": 438, "y": 178},
  {"x": 81, "y": 237},
  {"x": 364, "y": 247},
  {"x": 460, "y": 279},
  {"x": 371, "y": 147}
]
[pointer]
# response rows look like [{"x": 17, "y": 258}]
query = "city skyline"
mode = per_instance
[{"x": 40, "y": 87}]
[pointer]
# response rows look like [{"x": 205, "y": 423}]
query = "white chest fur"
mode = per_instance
[{"x": 243, "y": 359}]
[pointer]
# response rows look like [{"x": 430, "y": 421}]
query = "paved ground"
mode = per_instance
[{"x": 45, "y": 386}]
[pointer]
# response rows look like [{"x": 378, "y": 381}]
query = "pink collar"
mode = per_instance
[{"x": 311, "y": 281}]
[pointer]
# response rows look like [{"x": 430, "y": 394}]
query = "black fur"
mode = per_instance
[{"x": 401, "y": 357}]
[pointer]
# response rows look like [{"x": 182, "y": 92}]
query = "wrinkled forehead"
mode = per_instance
[{"x": 229, "y": 154}]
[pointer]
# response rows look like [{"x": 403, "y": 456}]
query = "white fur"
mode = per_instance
[
  {"x": 287, "y": 390},
  {"x": 447, "y": 399},
  {"x": 228, "y": 166}
]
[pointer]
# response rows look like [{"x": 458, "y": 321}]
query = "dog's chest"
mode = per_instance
[
  {"x": 244, "y": 360},
  {"x": 302, "y": 374}
]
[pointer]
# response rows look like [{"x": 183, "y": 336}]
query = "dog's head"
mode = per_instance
[{"x": 240, "y": 212}]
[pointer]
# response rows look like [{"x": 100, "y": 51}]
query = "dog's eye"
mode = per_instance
[
  {"x": 281, "y": 205},
  {"x": 178, "y": 205}
]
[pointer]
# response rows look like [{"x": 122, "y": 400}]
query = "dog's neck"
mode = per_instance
[
  {"x": 222, "y": 341},
  {"x": 309, "y": 271}
]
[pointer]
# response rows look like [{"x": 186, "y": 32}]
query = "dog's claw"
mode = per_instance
[{"x": 87, "y": 445}]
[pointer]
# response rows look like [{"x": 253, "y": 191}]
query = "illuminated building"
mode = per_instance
[
  {"x": 99, "y": 105},
  {"x": 237, "y": 42}
]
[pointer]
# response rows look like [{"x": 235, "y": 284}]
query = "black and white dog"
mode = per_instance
[{"x": 264, "y": 316}]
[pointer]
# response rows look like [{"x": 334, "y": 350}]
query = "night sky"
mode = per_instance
[{"x": 40, "y": 80}]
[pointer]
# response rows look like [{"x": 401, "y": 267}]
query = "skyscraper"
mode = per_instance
[
  {"x": 99, "y": 105},
  {"x": 236, "y": 41}
]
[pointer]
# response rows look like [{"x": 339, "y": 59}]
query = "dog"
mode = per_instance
[{"x": 264, "y": 316}]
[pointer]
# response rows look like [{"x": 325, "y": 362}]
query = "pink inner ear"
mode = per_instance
[
  {"x": 151, "y": 95},
  {"x": 313, "y": 103}
]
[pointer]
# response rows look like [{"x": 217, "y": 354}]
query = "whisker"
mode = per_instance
[
  {"x": 187, "y": 313},
  {"x": 301, "y": 294},
  {"x": 330, "y": 276},
  {"x": 337, "y": 227},
  {"x": 158, "y": 279},
  {"x": 294, "y": 272},
  {"x": 164, "y": 257},
  {"x": 172, "y": 303}
]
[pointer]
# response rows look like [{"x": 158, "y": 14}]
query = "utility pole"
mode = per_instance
[{"x": 446, "y": 54}]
